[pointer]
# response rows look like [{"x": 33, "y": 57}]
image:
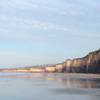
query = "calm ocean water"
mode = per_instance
[{"x": 37, "y": 86}]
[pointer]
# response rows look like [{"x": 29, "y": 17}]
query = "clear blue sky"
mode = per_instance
[{"x": 47, "y": 31}]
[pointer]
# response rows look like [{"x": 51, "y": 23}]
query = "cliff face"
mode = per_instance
[{"x": 87, "y": 64}]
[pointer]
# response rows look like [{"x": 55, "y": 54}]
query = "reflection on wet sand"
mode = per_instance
[
  {"x": 77, "y": 83},
  {"x": 69, "y": 82},
  {"x": 47, "y": 86}
]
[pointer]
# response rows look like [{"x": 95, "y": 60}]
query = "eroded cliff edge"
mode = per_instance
[{"x": 88, "y": 64}]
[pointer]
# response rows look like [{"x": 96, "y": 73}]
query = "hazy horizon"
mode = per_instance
[{"x": 35, "y": 32}]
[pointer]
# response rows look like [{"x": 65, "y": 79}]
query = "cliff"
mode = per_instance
[{"x": 88, "y": 64}]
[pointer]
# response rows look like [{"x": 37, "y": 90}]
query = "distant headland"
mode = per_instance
[{"x": 88, "y": 64}]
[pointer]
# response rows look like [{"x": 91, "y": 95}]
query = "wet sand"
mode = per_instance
[{"x": 52, "y": 86}]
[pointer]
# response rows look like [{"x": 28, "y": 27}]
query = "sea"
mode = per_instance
[{"x": 49, "y": 86}]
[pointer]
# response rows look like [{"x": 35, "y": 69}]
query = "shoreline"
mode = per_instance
[{"x": 67, "y": 75}]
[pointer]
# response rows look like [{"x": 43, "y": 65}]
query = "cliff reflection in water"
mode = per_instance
[
  {"x": 66, "y": 80},
  {"x": 69, "y": 82}
]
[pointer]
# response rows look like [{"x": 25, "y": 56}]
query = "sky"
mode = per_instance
[{"x": 35, "y": 32}]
